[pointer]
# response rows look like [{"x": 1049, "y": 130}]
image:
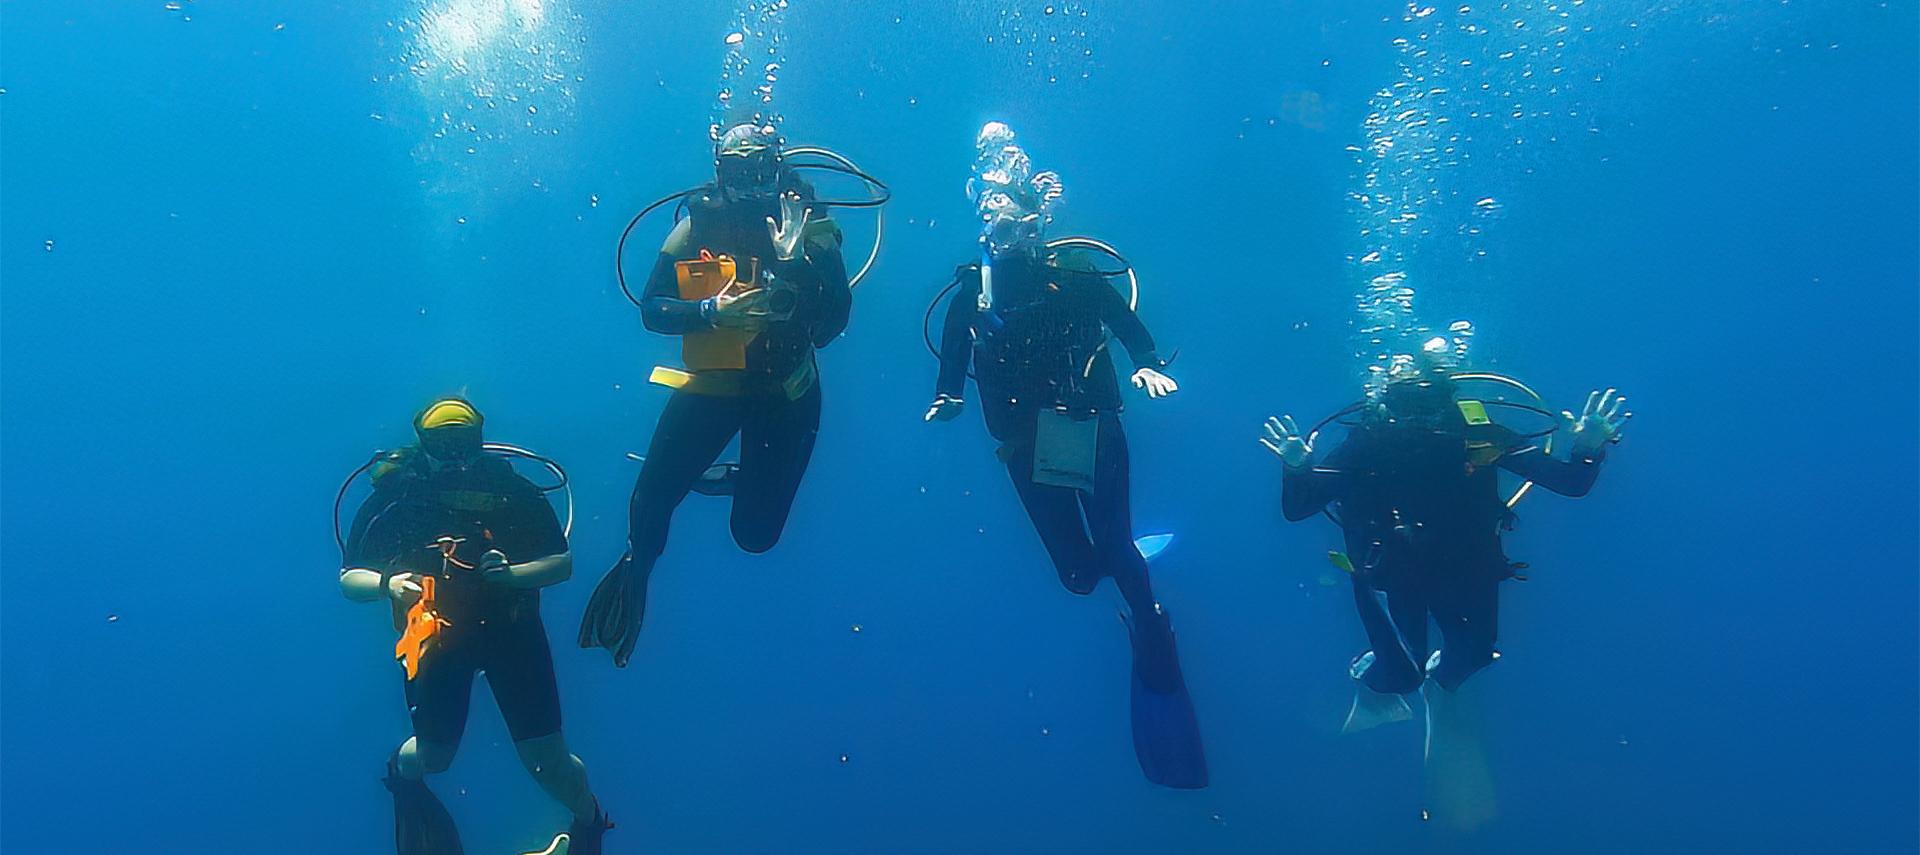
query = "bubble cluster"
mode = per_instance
[
  {"x": 1014, "y": 203},
  {"x": 1471, "y": 83},
  {"x": 1052, "y": 38},
  {"x": 756, "y": 52},
  {"x": 488, "y": 72}
]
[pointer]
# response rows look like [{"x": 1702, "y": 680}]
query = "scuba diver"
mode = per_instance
[
  {"x": 1415, "y": 490},
  {"x": 753, "y": 282},
  {"x": 1033, "y": 319},
  {"x": 459, "y": 545}
]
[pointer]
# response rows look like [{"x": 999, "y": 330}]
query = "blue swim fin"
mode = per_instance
[
  {"x": 1151, "y": 545},
  {"x": 1166, "y": 732}
]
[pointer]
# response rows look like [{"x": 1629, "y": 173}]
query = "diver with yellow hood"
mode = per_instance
[
  {"x": 459, "y": 545},
  {"x": 753, "y": 282}
]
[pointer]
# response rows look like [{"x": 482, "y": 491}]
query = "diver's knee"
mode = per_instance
[
  {"x": 417, "y": 759},
  {"x": 756, "y": 539}
]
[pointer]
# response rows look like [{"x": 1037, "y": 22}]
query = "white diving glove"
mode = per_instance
[
  {"x": 404, "y": 588},
  {"x": 1286, "y": 442},
  {"x": 1158, "y": 385},
  {"x": 791, "y": 228},
  {"x": 740, "y": 310},
  {"x": 1599, "y": 423}
]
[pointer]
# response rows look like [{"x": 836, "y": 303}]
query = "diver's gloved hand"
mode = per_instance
[
  {"x": 739, "y": 310},
  {"x": 494, "y": 568},
  {"x": 1286, "y": 442},
  {"x": 945, "y": 408},
  {"x": 791, "y": 228},
  {"x": 1599, "y": 423},
  {"x": 1158, "y": 385},
  {"x": 404, "y": 588}
]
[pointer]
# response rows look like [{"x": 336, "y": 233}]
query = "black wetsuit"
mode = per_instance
[
  {"x": 1422, "y": 515},
  {"x": 492, "y": 628},
  {"x": 1039, "y": 348},
  {"x": 776, "y": 426},
  {"x": 773, "y": 404}
]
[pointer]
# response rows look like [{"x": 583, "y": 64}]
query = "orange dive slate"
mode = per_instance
[
  {"x": 423, "y": 627},
  {"x": 709, "y": 276}
]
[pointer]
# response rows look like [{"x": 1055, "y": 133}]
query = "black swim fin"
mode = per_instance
[
  {"x": 1166, "y": 731},
  {"x": 421, "y": 824},
  {"x": 612, "y": 618}
]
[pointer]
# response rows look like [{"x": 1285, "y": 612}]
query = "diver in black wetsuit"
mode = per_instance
[
  {"x": 1033, "y": 323},
  {"x": 452, "y": 535},
  {"x": 1415, "y": 490},
  {"x": 750, "y": 353}
]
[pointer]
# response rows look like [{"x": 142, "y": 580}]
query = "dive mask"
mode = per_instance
[{"x": 449, "y": 431}]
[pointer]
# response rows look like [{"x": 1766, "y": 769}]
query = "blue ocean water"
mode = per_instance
[{"x": 242, "y": 243}]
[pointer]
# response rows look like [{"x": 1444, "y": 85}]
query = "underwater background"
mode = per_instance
[{"x": 241, "y": 244}]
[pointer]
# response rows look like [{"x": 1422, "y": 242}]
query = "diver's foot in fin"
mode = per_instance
[
  {"x": 718, "y": 480},
  {"x": 1166, "y": 731},
  {"x": 421, "y": 824},
  {"x": 584, "y": 836},
  {"x": 613, "y": 614},
  {"x": 1372, "y": 709},
  {"x": 1155, "y": 660},
  {"x": 1460, "y": 789}
]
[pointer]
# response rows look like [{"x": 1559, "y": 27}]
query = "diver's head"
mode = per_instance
[
  {"x": 1009, "y": 227},
  {"x": 1423, "y": 398},
  {"x": 449, "y": 432},
  {"x": 1419, "y": 387},
  {"x": 1015, "y": 203},
  {"x": 746, "y": 162}
]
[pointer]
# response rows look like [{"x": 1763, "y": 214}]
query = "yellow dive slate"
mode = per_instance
[
  {"x": 672, "y": 378},
  {"x": 1475, "y": 412},
  {"x": 710, "y": 276}
]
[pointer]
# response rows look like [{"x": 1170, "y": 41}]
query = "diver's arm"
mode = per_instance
[
  {"x": 1599, "y": 424},
  {"x": 956, "y": 339},
  {"x": 527, "y": 525},
  {"x": 362, "y": 585},
  {"x": 836, "y": 296},
  {"x": 1128, "y": 328},
  {"x": 538, "y": 573},
  {"x": 1572, "y": 478},
  {"x": 1306, "y": 490},
  {"x": 661, "y": 308}
]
